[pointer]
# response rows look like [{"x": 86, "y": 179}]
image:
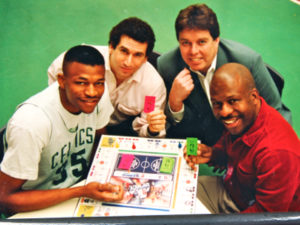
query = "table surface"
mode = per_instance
[{"x": 67, "y": 209}]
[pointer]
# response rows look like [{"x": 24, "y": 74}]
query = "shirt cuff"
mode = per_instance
[
  {"x": 177, "y": 115},
  {"x": 152, "y": 134}
]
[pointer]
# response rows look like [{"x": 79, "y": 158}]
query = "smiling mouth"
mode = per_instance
[
  {"x": 126, "y": 69},
  {"x": 230, "y": 122},
  {"x": 198, "y": 59},
  {"x": 90, "y": 101}
]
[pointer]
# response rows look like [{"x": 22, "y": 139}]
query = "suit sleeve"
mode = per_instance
[
  {"x": 265, "y": 84},
  {"x": 267, "y": 88}
]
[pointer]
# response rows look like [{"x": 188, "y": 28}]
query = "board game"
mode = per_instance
[{"x": 153, "y": 172}]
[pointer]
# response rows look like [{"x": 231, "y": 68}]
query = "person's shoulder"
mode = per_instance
[
  {"x": 41, "y": 106},
  {"x": 277, "y": 133},
  {"x": 278, "y": 126},
  {"x": 236, "y": 47},
  {"x": 232, "y": 51},
  {"x": 150, "y": 74},
  {"x": 45, "y": 96},
  {"x": 30, "y": 117},
  {"x": 170, "y": 63}
]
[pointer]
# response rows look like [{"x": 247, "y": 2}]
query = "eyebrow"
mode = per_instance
[
  {"x": 84, "y": 78},
  {"x": 127, "y": 49},
  {"x": 183, "y": 39},
  {"x": 123, "y": 47}
]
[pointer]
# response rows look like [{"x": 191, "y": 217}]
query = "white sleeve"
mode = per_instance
[
  {"x": 28, "y": 131},
  {"x": 177, "y": 115},
  {"x": 105, "y": 109},
  {"x": 55, "y": 68}
]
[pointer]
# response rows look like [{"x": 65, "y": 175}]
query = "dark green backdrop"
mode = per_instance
[{"x": 34, "y": 32}]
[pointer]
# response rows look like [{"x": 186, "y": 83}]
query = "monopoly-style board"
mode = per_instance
[{"x": 153, "y": 172}]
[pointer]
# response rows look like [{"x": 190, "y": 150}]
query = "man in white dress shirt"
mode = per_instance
[{"x": 130, "y": 78}]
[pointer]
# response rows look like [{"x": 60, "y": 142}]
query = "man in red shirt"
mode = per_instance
[{"x": 259, "y": 149}]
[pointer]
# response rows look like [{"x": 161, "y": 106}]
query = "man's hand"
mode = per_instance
[
  {"x": 204, "y": 154},
  {"x": 156, "y": 121},
  {"x": 181, "y": 88},
  {"x": 104, "y": 192}
]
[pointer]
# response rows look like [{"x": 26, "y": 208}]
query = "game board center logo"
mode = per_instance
[
  {"x": 135, "y": 163},
  {"x": 155, "y": 165},
  {"x": 145, "y": 164}
]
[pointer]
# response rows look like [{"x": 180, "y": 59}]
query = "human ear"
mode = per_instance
[
  {"x": 255, "y": 95},
  {"x": 217, "y": 40},
  {"x": 61, "y": 80},
  {"x": 110, "y": 48}
]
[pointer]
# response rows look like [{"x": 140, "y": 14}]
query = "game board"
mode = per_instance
[{"x": 155, "y": 177}]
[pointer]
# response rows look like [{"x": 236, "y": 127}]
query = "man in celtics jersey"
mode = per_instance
[{"x": 50, "y": 138}]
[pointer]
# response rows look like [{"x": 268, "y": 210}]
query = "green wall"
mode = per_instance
[{"x": 34, "y": 32}]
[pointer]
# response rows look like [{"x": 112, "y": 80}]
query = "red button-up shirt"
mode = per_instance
[{"x": 263, "y": 165}]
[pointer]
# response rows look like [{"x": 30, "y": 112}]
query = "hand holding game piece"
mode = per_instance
[
  {"x": 191, "y": 146},
  {"x": 156, "y": 121},
  {"x": 204, "y": 154},
  {"x": 104, "y": 192}
]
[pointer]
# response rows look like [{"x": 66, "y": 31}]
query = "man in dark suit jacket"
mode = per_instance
[{"x": 188, "y": 69}]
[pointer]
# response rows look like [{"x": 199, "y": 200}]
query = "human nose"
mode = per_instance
[
  {"x": 128, "y": 60},
  {"x": 194, "y": 49},
  {"x": 91, "y": 91},
  {"x": 226, "y": 110}
]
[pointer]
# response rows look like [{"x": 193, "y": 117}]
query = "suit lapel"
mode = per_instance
[{"x": 198, "y": 100}]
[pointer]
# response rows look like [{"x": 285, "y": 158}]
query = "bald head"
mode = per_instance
[
  {"x": 235, "y": 99},
  {"x": 233, "y": 73}
]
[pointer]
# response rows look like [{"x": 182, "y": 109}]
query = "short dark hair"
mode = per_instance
[
  {"x": 134, "y": 28},
  {"x": 83, "y": 54},
  {"x": 197, "y": 16}
]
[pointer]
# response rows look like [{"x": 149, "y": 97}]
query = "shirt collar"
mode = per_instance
[
  {"x": 205, "y": 80},
  {"x": 210, "y": 70}
]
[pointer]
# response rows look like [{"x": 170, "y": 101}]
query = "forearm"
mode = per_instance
[
  {"x": 174, "y": 104},
  {"x": 38, "y": 199}
]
